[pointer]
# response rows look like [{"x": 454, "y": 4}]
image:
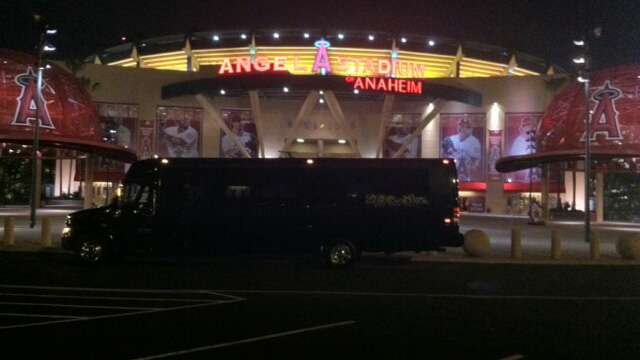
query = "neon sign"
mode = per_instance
[
  {"x": 322, "y": 58},
  {"x": 386, "y": 84},
  {"x": 259, "y": 64},
  {"x": 364, "y": 66},
  {"x": 352, "y": 65}
]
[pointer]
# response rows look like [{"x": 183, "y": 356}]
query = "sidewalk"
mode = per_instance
[
  {"x": 30, "y": 239},
  {"x": 536, "y": 239}
]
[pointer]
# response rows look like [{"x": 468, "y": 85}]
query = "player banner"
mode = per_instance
[
  {"x": 179, "y": 130},
  {"x": 243, "y": 128},
  {"x": 398, "y": 130},
  {"x": 462, "y": 138},
  {"x": 119, "y": 123},
  {"x": 521, "y": 140},
  {"x": 146, "y": 141}
]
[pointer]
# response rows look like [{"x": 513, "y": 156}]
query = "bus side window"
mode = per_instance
[
  {"x": 238, "y": 191},
  {"x": 146, "y": 200},
  {"x": 144, "y": 195}
]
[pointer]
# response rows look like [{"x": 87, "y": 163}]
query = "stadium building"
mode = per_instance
[{"x": 316, "y": 93}]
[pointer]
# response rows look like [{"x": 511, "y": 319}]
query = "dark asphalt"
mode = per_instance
[{"x": 271, "y": 308}]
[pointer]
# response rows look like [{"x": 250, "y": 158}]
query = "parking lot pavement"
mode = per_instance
[{"x": 536, "y": 240}]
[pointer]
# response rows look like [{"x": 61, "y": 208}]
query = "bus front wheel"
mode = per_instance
[
  {"x": 92, "y": 251},
  {"x": 340, "y": 254}
]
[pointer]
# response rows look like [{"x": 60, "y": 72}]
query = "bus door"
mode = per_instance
[{"x": 135, "y": 216}]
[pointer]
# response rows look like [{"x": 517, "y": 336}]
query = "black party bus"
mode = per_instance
[{"x": 338, "y": 208}]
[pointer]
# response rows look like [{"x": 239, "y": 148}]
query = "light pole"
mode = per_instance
[
  {"x": 587, "y": 159},
  {"x": 43, "y": 30},
  {"x": 583, "y": 61}
]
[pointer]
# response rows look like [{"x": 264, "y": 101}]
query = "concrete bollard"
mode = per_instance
[
  {"x": 9, "y": 231},
  {"x": 556, "y": 244},
  {"x": 46, "y": 232},
  {"x": 476, "y": 243},
  {"x": 628, "y": 246},
  {"x": 594, "y": 245},
  {"x": 516, "y": 243}
]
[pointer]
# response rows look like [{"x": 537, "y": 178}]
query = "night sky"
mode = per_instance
[{"x": 544, "y": 28}]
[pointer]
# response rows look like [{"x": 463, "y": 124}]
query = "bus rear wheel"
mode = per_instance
[{"x": 340, "y": 254}]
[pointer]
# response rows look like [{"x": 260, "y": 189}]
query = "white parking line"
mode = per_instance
[
  {"x": 427, "y": 295},
  {"x": 120, "y": 315},
  {"x": 78, "y": 306},
  {"x": 107, "y": 290},
  {"x": 244, "y": 341},
  {"x": 102, "y": 297},
  {"x": 43, "y": 316},
  {"x": 190, "y": 299}
]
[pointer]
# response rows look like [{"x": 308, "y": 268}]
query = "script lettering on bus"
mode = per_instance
[{"x": 380, "y": 200}]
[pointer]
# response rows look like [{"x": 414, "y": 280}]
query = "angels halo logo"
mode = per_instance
[
  {"x": 26, "y": 111},
  {"x": 604, "y": 119}
]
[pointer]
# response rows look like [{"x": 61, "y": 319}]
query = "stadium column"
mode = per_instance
[
  {"x": 338, "y": 114},
  {"x": 599, "y": 196},
  {"x": 306, "y": 108},
  {"x": 454, "y": 67},
  {"x": 88, "y": 181},
  {"x": 257, "y": 117},
  {"x": 386, "y": 115}
]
